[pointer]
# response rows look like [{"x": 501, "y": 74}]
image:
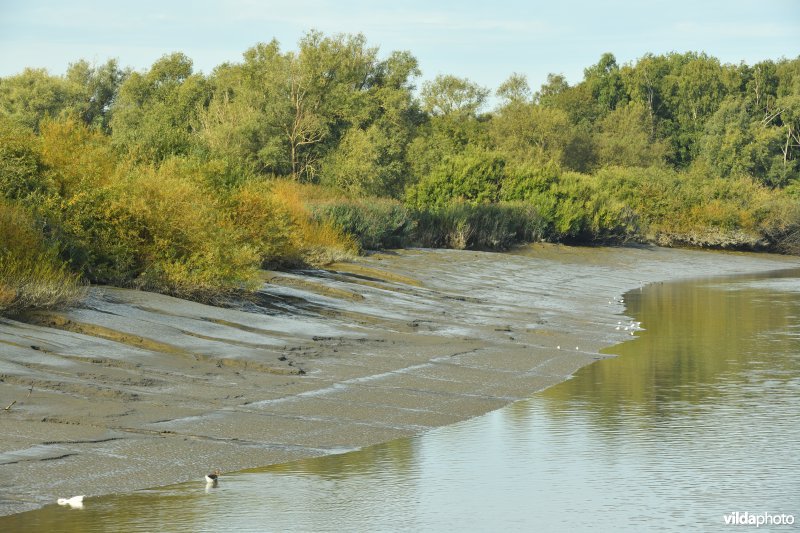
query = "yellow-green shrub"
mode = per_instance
[
  {"x": 21, "y": 167},
  {"x": 262, "y": 222},
  {"x": 316, "y": 242},
  {"x": 184, "y": 226},
  {"x": 186, "y": 243},
  {"x": 76, "y": 154},
  {"x": 31, "y": 274}
]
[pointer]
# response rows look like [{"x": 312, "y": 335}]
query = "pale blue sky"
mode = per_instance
[{"x": 482, "y": 40}]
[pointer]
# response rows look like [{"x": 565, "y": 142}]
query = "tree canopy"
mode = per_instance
[
  {"x": 181, "y": 181},
  {"x": 334, "y": 111}
]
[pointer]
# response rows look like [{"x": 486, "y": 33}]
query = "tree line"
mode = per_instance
[
  {"x": 335, "y": 143},
  {"x": 333, "y": 112}
]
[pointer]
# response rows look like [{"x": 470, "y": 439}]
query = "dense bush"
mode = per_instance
[
  {"x": 462, "y": 225},
  {"x": 21, "y": 168},
  {"x": 474, "y": 177},
  {"x": 180, "y": 226},
  {"x": 31, "y": 274},
  {"x": 374, "y": 222},
  {"x": 699, "y": 208},
  {"x": 313, "y": 241}
]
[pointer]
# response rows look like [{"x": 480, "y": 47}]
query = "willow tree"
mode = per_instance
[
  {"x": 453, "y": 107},
  {"x": 527, "y": 131},
  {"x": 155, "y": 114},
  {"x": 624, "y": 138},
  {"x": 32, "y": 96},
  {"x": 371, "y": 154},
  {"x": 278, "y": 110},
  {"x": 95, "y": 89}
]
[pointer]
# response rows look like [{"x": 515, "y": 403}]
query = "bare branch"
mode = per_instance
[{"x": 770, "y": 117}]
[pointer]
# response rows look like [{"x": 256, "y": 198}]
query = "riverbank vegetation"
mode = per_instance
[
  {"x": 31, "y": 273},
  {"x": 187, "y": 183}
]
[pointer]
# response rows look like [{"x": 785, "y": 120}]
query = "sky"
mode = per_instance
[{"x": 484, "y": 41}]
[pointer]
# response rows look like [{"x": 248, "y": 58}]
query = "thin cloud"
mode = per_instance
[
  {"x": 711, "y": 30},
  {"x": 310, "y": 13}
]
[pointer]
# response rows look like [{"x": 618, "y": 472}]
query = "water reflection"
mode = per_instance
[
  {"x": 699, "y": 416},
  {"x": 716, "y": 340}
]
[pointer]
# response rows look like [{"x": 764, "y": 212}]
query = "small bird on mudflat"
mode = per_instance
[
  {"x": 76, "y": 502},
  {"x": 213, "y": 477}
]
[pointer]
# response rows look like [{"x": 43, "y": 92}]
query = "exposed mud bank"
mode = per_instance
[{"x": 134, "y": 389}]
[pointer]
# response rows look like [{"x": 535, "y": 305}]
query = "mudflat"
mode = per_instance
[{"x": 133, "y": 390}]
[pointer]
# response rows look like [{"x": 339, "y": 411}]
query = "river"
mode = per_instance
[{"x": 697, "y": 417}]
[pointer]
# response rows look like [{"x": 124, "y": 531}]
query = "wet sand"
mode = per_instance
[{"x": 134, "y": 390}]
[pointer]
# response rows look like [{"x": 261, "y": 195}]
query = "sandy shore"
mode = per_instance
[{"x": 135, "y": 390}]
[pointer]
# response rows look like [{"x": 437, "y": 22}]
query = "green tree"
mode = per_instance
[
  {"x": 788, "y": 74},
  {"x": 577, "y": 102},
  {"x": 451, "y": 96},
  {"x": 474, "y": 176},
  {"x": 156, "y": 112},
  {"x": 287, "y": 113},
  {"x": 529, "y": 132},
  {"x": 549, "y": 92},
  {"x": 644, "y": 83},
  {"x": 32, "y": 96},
  {"x": 452, "y": 105},
  {"x": 371, "y": 158},
  {"x": 95, "y": 90},
  {"x": 244, "y": 119},
  {"x": 755, "y": 133},
  {"x": 695, "y": 88},
  {"x": 515, "y": 89},
  {"x": 625, "y": 138},
  {"x": 762, "y": 88},
  {"x": 789, "y": 107},
  {"x": 604, "y": 83},
  {"x": 331, "y": 81},
  {"x": 727, "y": 136}
]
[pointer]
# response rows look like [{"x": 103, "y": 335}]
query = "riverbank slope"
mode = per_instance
[{"x": 134, "y": 389}]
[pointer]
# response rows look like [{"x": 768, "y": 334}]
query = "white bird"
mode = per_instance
[{"x": 76, "y": 502}]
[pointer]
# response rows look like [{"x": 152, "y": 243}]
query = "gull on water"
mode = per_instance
[{"x": 76, "y": 502}]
